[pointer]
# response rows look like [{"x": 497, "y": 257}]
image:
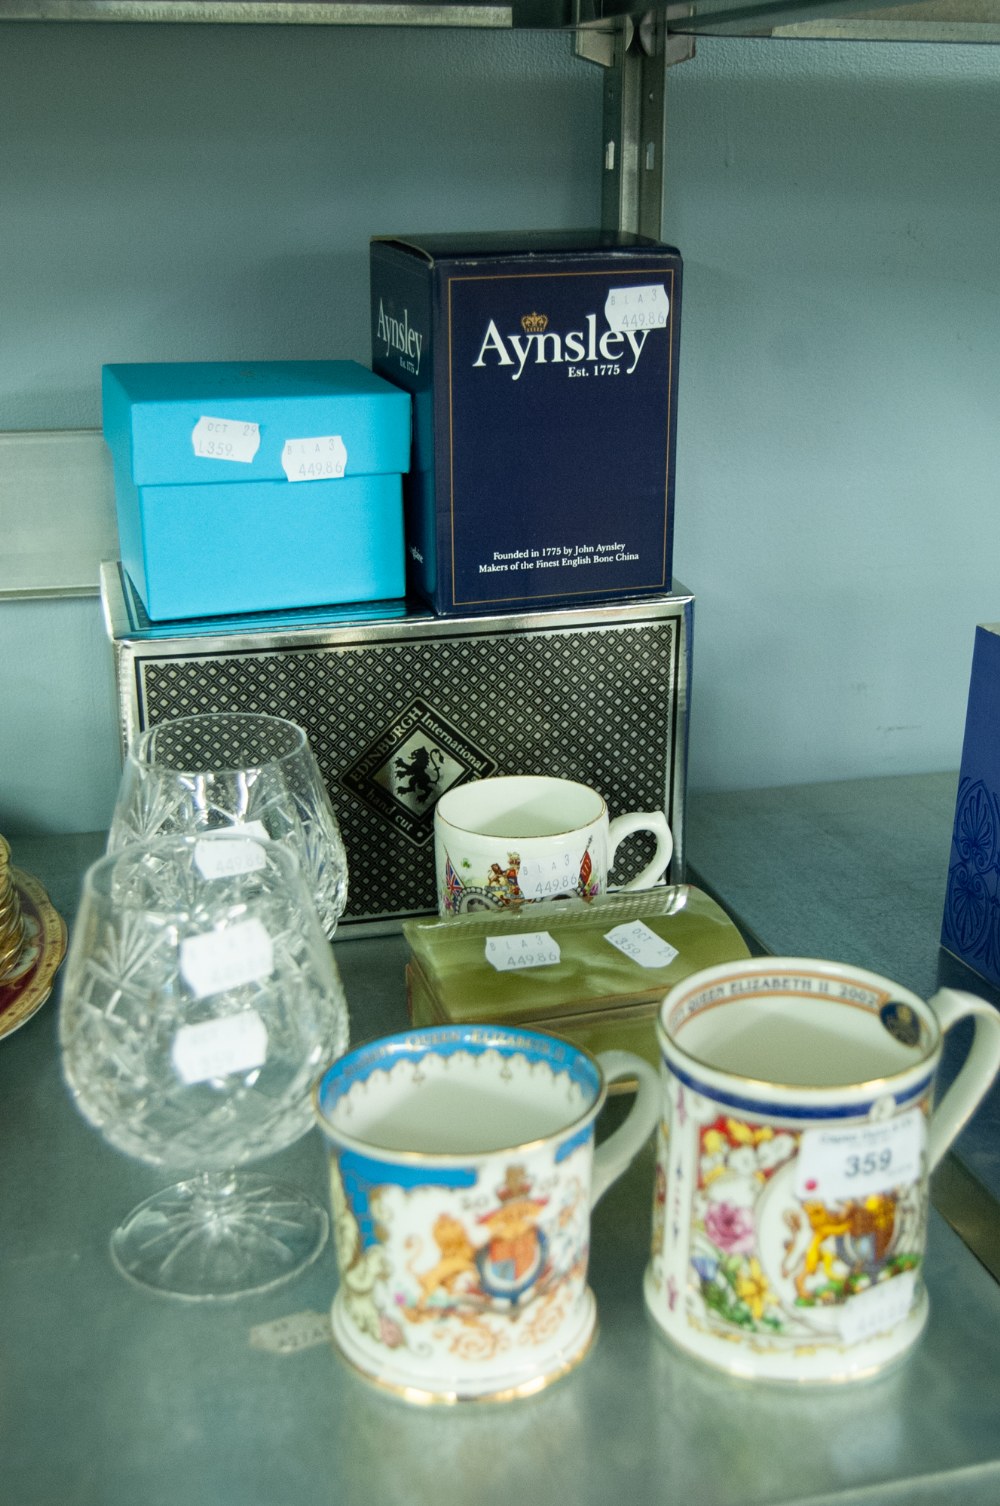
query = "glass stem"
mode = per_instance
[{"x": 211, "y": 1192}]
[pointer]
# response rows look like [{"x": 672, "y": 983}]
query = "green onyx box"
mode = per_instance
[{"x": 593, "y": 972}]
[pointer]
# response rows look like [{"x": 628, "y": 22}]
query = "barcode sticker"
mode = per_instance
[
  {"x": 637, "y": 308},
  {"x": 219, "y": 960},
  {"x": 323, "y": 458},
  {"x": 218, "y": 1048},
  {"x": 226, "y": 439},
  {"x": 641, "y": 943},
  {"x": 510, "y": 954}
]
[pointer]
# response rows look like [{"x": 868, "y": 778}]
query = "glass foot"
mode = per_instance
[{"x": 220, "y": 1235}]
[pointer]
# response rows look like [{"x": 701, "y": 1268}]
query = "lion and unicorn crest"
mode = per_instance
[{"x": 514, "y": 1252}]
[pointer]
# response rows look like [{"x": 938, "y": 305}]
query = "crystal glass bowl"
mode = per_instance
[
  {"x": 200, "y": 1000},
  {"x": 221, "y": 771}
]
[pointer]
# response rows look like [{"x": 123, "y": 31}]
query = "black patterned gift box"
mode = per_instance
[{"x": 400, "y": 706}]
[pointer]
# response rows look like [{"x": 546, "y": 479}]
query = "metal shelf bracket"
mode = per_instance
[{"x": 635, "y": 57}]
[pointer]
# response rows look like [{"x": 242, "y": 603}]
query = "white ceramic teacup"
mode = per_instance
[
  {"x": 794, "y": 1151},
  {"x": 462, "y": 1173},
  {"x": 525, "y": 837}
]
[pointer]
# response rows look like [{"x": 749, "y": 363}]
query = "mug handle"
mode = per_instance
[
  {"x": 618, "y": 1151},
  {"x": 654, "y": 821},
  {"x": 977, "y": 1072}
]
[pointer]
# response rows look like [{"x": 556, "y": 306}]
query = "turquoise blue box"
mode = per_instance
[
  {"x": 257, "y": 486},
  {"x": 971, "y": 925}
]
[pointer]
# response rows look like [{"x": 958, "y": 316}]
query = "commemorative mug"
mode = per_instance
[
  {"x": 793, "y": 1156},
  {"x": 462, "y": 1175},
  {"x": 524, "y": 837}
]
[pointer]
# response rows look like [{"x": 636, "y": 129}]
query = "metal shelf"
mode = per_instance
[
  {"x": 264, "y": 12},
  {"x": 969, "y": 21},
  {"x": 930, "y": 20}
]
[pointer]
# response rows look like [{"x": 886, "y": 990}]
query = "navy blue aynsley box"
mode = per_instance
[
  {"x": 543, "y": 369},
  {"x": 971, "y": 926}
]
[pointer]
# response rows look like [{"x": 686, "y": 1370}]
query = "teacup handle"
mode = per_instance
[
  {"x": 978, "y": 1070},
  {"x": 654, "y": 821},
  {"x": 618, "y": 1151}
]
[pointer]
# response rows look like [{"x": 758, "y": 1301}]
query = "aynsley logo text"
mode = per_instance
[
  {"x": 551, "y": 348},
  {"x": 399, "y": 335}
]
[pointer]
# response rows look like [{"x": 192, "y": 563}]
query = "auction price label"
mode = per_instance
[
  {"x": 870, "y": 1313},
  {"x": 228, "y": 859},
  {"x": 226, "y": 439},
  {"x": 510, "y": 954},
  {"x": 219, "y": 960},
  {"x": 838, "y": 1164},
  {"x": 637, "y": 308},
  {"x": 323, "y": 458},
  {"x": 641, "y": 943},
  {"x": 548, "y": 878},
  {"x": 218, "y": 1048},
  {"x": 254, "y": 831},
  {"x": 304, "y": 1330}
]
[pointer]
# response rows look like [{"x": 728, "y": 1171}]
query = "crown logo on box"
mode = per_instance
[{"x": 534, "y": 324}]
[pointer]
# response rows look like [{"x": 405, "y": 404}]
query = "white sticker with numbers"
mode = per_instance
[
  {"x": 637, "y": 308},
  {"x": 254, "y": 831},
  {"x": 231, "y": 439},
  {"x": 509, "y": 954},
  {"x": 323, "y": 458},
  {"x": 857, "y": 1161},
  {"x": 216, "y": 859},
  {"x": 547, "y": 878},
  {"x": 219, "y": 960},
  {"x": 218, "y": 1048},
  {"x": 875, "y": 1311},
  {"x": 641, "y": 943}
]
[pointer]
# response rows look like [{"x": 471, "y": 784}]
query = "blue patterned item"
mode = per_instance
[{"x": 971, "y": 928}]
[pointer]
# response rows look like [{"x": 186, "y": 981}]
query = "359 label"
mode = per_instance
[
  {"x": 218, "y": 1048},
  {"x": 835, "y": 1165},
  {"x": 641, "y": 943},
  {"x": 225, "y": 439}
]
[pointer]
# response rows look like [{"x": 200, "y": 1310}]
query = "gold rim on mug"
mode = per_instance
[
  {"x": 725, "y": 973},
  {"x": 423, "y": 1397},
  {"x": 510, "y": 779}
]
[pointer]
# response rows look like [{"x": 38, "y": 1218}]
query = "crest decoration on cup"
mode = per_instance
[
  {"x": 793, "y": 1156},
  {"x": 517, "y": 839},
  {"x": 462, "y": 1174}
]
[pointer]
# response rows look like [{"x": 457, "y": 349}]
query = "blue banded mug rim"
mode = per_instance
[
  {"x": 405, "y": 1044},
  {"x": 856, "y": 1096}
]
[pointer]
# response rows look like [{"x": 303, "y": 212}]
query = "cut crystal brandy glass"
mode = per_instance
[
  {"x": 200, "y": 1001},
  {"x": 224, "y": 771}
]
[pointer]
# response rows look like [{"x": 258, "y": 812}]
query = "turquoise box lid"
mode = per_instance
[{"x": 230, "y": 421}]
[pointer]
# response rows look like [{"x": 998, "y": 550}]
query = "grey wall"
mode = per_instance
[
  {"x": 838, "y": 511},
  {"x": 190, "y": 192},
  {"x": 199, "y": 192}
]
